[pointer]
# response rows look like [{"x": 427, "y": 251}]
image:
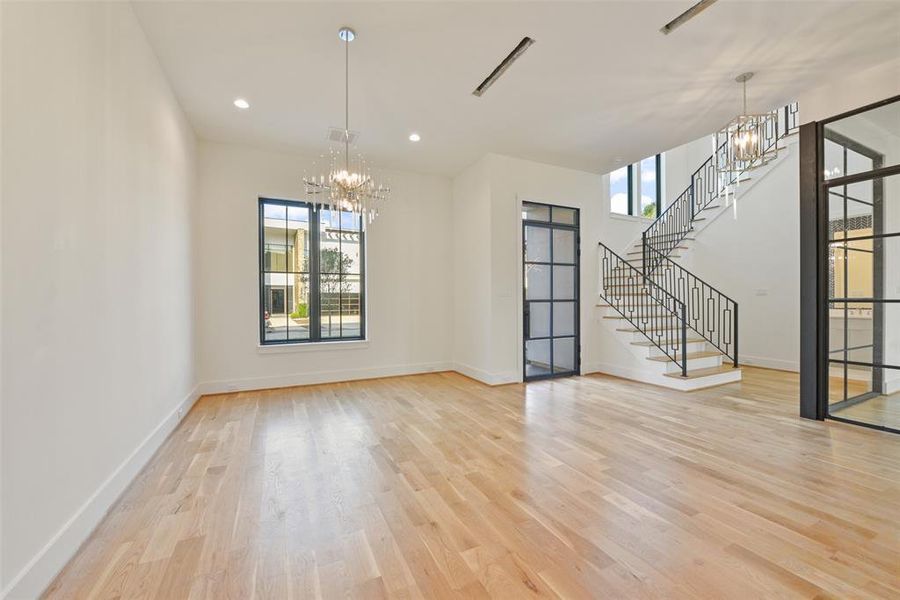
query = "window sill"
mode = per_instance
[
  {"x": 311, "y": 346},
  {"x": 632, "y": 218}
]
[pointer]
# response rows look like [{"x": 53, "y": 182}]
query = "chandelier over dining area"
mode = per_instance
[{"x": 349, "y": 184}]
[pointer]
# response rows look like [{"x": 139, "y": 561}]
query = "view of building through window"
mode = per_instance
[{"x": 312, "y": 273}]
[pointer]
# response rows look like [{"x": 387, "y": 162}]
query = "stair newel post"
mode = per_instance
[
  {"x": 693, "y": 199},
  {"x": 644, "y": 255},
  {"x": 684, "y": 340},
  {"x": 735, "y": 334}
]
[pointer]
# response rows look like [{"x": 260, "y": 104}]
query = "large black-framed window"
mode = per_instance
[
  {"x": 636, "y": 189},
  {"x": 311, "y": 273},
  {"x": 850, "y": 266}
]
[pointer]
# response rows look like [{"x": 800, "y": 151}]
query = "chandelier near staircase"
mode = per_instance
[
  {"x": 744, "y": 143},
  {"x": 349, "y": 184}
]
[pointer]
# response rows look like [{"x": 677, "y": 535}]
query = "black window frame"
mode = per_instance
[{"x": 314, "y": 302}]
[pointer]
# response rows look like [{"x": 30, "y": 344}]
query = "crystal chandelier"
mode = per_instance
[
  {"x": 349, "y": 184},
  {"x": 748, "y": 141}
]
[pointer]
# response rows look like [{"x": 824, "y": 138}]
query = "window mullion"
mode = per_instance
[
  {"x": 315, "y": 328},
  {"x": 631, "y": 189}
]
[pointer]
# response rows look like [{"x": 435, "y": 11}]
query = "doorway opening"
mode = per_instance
[{"x": 551, "y": 284}]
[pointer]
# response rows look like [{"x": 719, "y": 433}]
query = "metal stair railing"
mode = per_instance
[
  {"x": 676, "y": 221},
  {"x": 709, "y": 312},
  {"x": 658, "y": 315}
]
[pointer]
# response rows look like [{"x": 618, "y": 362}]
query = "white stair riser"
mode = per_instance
[
  {"x": 653, "y": 351},
  {"x": 696, "y": 363},
  {"x": 639, "y": 337}
]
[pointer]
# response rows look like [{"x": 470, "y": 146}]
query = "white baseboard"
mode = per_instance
[
  {"x": 683, "y": 385},
  {"x": 891, "y": 387},
  {"x": 484, "y": 376},
  {"x": 279, "y": 381},
  {"x": 40, "y": 571},
  {"x": 770, "y": 363}
]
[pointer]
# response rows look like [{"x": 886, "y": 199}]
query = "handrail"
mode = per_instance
[
  {"x": 673, "y": 224},
  {"x": 709, "y": 312},
  {"x": 662, "y": 318}
]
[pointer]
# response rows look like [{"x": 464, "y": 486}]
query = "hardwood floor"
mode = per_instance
[{"x": 437, "y": 486}]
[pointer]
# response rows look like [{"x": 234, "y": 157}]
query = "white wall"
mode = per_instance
[
  {"x": 755, "y": 259},
  {"x": 490, "y": 347},
  {"x": 97, "y": 348},
  {"x": 471, "y": 252},
  {"x": 838, "y": 96},
  {"x": 409, "y": 276}
]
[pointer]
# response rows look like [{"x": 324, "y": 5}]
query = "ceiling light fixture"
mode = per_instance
[
  {"x": 348, "y": 185},
  {"x": 241, "y": 103},
  {"x": 414, "y": 137},
  {"x": 742, "y": 144}
]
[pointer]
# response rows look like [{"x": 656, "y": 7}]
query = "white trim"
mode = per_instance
[
  {"x": 40, "y": 571},
  {"x": 485, "y": 377},
  {"x": 295, "y": 379},
  {"x": 657, "y": 378},
  {"x": 311, "y": 346},
  {"x": 891, "y": 387},
  {"x": 632, "y": 218},
  {"x": 770, "y": 363}
]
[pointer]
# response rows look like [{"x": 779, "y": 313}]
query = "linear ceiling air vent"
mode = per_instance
[
  {"x": 686, "y": 16},
  {"x": 503, "y": 66},
  {"x": 336, "y": 134}
]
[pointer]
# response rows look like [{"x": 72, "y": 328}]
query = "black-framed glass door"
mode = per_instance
[
  {"x": 551, "y": 284},
  {"x": 850, "y": 175}
]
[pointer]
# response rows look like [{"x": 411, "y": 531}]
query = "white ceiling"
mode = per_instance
[{"x": 600, "y": 83}]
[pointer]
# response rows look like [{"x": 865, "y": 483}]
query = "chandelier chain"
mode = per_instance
[
  {"x": 347, "y": 102},
  {"x": 349, "y": 185}
]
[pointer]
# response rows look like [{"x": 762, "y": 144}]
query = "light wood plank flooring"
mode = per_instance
[{"x": 437, "y": 486}]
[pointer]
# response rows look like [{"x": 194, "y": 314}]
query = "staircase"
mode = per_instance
[{"x": 685, "y": 329}]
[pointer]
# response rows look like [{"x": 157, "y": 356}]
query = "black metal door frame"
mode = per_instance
[
  {"x": 815, "y": 358},
  {"x": 551, "y": 225}
]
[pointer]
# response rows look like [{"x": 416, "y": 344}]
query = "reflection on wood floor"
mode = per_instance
[
  {"x": 880, "y": 410},
  {"x": 435, "y": 486}
]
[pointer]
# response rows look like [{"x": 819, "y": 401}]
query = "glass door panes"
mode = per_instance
[
  {"x": 551, "y": 324},
  {"x": 863, "y": 263}
]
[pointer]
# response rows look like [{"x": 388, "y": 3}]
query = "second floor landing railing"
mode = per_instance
[{"x": 707, "y": 184}]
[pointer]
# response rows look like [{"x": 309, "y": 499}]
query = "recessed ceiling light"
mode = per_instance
[
  {"x": 241, "y": 103},
  {"x": 414, "y": 137}
]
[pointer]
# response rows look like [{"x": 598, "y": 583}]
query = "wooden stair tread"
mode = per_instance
[
  {"x": 605, "y": 304},
  {"x": 641, "y": 251},
  {"x": 632, "y": 261},
  {"x": 656, "y": 315},
  {"x": 690, "y": 355},
  {"x": 651, "y": 344},
  {"x": 654, "y": 330},
  {"x": 697, "y": 373}
]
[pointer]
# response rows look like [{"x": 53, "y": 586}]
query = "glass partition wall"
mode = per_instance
[{"x": 859, "y": 201}]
